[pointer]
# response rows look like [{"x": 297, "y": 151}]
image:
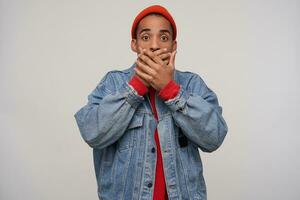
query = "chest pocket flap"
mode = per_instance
[
  {"x": 128, "y": 140},
  {"x": 136, "y": 121}
]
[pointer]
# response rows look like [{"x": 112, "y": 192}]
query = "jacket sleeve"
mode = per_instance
[
  {"x": 108, "y": 112},
  {"x": 196, "y": 111}
]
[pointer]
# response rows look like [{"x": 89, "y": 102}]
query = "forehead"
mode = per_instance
[{"x": 154, "y": 22}]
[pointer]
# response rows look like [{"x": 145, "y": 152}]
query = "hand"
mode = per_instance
[
  {"x": 162, "y": 53},
  {"x": 143, "y": 81},
  {"x": 153, "y": 70}
]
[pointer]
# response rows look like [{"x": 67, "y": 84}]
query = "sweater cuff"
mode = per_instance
[
  {"x": 138, "y": 85},
  {"x": 169, "y": 91}
]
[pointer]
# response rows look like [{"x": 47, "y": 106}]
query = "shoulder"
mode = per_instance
[
  {"x": 193, "y": 83},
  {"x": 188, "y": 79},
  {"x": 117, "y": 74},
  {"x": 114, "y": 79}
]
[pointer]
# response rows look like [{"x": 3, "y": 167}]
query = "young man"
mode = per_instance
[{"x": 146, "y": 123}]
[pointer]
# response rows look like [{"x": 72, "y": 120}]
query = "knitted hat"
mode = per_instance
[{"x": 153, "y": 9}]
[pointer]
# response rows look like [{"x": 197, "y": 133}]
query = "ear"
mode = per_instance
[
  {"x": 134, "y": 45},
  {"x": 174, "y": 48}
]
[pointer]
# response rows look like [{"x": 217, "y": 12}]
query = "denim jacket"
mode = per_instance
[{"x": 119, "y": 125}]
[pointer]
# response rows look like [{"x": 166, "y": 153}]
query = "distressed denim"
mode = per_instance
[{"x": 119, "y": 125}]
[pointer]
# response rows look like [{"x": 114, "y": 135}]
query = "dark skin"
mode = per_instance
[{"x": 156, "y": 49}]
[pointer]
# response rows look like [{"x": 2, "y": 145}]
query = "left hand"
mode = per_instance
[{"x": 151, "y": 68}]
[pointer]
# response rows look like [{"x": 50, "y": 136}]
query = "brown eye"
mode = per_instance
[
  {"x": 164, "y": 38},
  {"x": 145, "y": 37}
]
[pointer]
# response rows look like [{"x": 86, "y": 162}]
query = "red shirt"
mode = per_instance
[{"x": 168, "y": 92}]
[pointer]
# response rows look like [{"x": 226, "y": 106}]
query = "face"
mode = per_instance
[{"x": 154, "y": 32}]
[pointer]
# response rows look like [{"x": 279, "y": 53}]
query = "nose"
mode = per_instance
[{"x": 154, "y": 45}]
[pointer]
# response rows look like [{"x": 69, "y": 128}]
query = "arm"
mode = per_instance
[
  {"x": 197, "y": 112},
  {"x": 108, "y": 112},
  {"x": 195, "y": 109}
]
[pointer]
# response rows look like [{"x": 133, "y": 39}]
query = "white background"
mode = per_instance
[{"x": 53, "y": 54}]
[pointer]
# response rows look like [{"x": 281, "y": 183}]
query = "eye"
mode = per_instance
[
  {"x": 164, "y": 38},
  {"x": 145, "y": 37}
]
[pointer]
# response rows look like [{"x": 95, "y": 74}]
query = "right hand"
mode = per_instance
[{"x": 163, "y": 54}]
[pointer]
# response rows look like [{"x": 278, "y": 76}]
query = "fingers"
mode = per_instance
[
  {"x": 143, "y": 75},
  {"x": 147, "y": 60},
  {"x": 157, "y": 52},
  {"x": 154, "y": 57},
  {"x": 160, "y": 57},
  {"x": 165, "y": 56},
  {"x": 172, "y": 59},
  {"x": 160, "y": 51},
  {"x": 141, "y": 50},
  {"x": 144, "y": 67},
  {"x": 141, "y": 61}
]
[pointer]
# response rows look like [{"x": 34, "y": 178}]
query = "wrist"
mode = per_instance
[
  {"x": 138, "y": 85},
  {"x": 169, "y": 91}
]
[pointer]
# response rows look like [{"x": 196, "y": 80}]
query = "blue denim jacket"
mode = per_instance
[{"x": 119, "y": 125}]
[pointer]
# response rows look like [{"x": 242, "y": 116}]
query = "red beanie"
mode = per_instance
[{"x": 153, "y": 9}]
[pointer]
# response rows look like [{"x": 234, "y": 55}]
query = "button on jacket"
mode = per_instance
[{"x": 119, "y": 125}]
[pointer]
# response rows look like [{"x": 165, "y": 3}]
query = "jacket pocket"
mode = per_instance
[{"x": 128, "y": 140}]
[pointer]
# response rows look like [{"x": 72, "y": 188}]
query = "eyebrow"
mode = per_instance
[
  {"x": 144, "y": 30},
  {"x": 165, "y": 31},
  {"x": 161, "y": 31}
]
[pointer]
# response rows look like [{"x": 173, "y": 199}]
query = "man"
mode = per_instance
[{"x": 146, "y": 123}]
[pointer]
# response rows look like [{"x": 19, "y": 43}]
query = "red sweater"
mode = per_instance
[{"x": 168, "y": 92}]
